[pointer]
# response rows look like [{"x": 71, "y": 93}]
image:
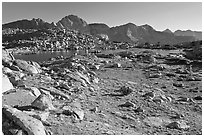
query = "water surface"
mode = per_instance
[{"x": 44, "y": 56}]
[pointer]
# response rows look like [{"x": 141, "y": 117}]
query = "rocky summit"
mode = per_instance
[{"x": 73, "y": 22}]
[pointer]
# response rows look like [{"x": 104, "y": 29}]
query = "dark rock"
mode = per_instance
[
  {"x": 149, "y": 94},
  {"x": 178, "y": 84},
  {"x": 124, "y": 90},
  {"x": 127, "y": 104},
  {"x": 178, "y": 125},
  {"x": 139, "y": 109},
  {"x": 183, "y": 99},
  {"x": 14, "y": 67},
  {"x": 43, "y": 102},
  {"x": 198, "y": 98}
]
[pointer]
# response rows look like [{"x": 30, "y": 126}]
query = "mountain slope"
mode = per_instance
[
  {"x": 98, "y": 28},
  {"x": 196, "y": 34},
  {"x": 168, "y": 31},
  {"x": 145, "y": 33}
]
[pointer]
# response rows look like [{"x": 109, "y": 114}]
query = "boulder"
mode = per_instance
[
  {"x": 79, "y": 113},
  {"x": 156, "y": 121},
  {"x": 14, "y": 67},
  {"x": 26, "y": 67},
  {"x": 124, "y": 90},
  {"x": 43, "y": 102},
  {"x": 155, "y": 75},
  {"x": 178, "y": 84},
  {"x": 35, "y": 91},
  {"x": 117, "y": 65},
  {"x": 127, "y": 54},
  {"x": 197, "y": 98},
  {"x": 6, "y": 84},
  {"x": 127, "y": 104},
  {"x": 6, "y": 57},
  {"x": 16, "y": 77},
  {"x": 31, "y": 125},
  {"x": 178, "y": 125},
  {"x": 6, "y": 70},
  {"x": 149, "y": 94},
  {"x": 138, "y": 110},
  {"x": 35, "y": 64},
  {"x": 74, "y": 109},
  {"x": 18, "y": 97}
]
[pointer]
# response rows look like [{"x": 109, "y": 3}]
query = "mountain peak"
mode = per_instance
[
  {"x": 147, "y": 27},
  {"x": 168, "y": 31},
  {"x": 130, "y": 24},
  {"x": 73, "y": 22}
]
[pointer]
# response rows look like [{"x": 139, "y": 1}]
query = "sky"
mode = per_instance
[{"x": 159, "y": 15}]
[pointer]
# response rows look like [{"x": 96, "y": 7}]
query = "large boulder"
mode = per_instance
[
  {"x": 6, "y": 70},
  {"x": 7, "y": 58},
  {"x": 20, "y": 97},
  {"x": 29, "y": 124},
  {"x": 16, "y": 77},
  {"x": 43, "y": 102},
  {"x": 24, "y": 65},
  {"x": 6, "y": 84}
]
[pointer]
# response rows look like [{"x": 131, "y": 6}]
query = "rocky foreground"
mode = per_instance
[{"x": 111, "y": 93}]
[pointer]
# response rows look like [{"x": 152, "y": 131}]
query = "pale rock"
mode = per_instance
[
  {"x": 79, "y": 113},
  {"x": 35, "y": 91},
  {"x": 6, "y": 84},
  {"x": 156, "y": 121},
  {"x": 26, "y": 67},
  {"x": 31, "y": 125},
  {"x": 6, "y": 70}
]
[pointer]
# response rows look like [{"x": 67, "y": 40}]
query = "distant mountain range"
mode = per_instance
[
  {"x": 124, "y": 33},
  {"x": 29, "y": 24},
  {"x": 196, "y": 34}
]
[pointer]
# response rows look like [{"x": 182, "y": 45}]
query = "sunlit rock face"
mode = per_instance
[{"x": 73, "y": 22}]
